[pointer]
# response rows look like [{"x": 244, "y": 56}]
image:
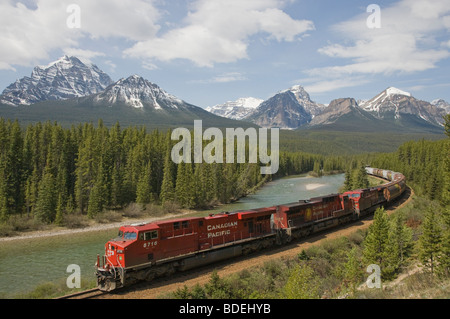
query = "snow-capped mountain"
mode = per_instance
[
  {"x": 63, "y": 79},
  {"x": 236, "y": 110},
  {"x": 395, "y": 104},
  {"x": 386, "y": 100},
  {"x": 304, "y": 99},
  {"x": 442, "y": 104},
  {"x": 288, "y": 109},
  {"x": 138, "y": 92}
]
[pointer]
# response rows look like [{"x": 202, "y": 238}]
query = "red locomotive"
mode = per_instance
[{"x": 147, "y": 251}]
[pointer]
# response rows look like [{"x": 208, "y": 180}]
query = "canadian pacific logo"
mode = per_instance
[{"x": 219, "y": 233}]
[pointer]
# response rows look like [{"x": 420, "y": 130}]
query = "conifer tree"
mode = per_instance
[
  {"x": 59, "y": 211},
  {"x": 98, "y": 193},
  {"x": 303, "y": 283},
  {"x": 353, "y": 272},
  {"x": 45, "y": 210},
  {"x": 361, "y": 180},
  {"x": 431, "y": 240},
  {"x": 400, "y": 238},
  {"x": 167, "y": 187},
  {"x": 144, "y": 186},
  {"x": 348, "y": 180},
  {"x": 376, "y": 242},
  {"x": 317, "y": 169},
  {"x": 4, "y": 210},
  {"x": 184, "y": 189}
]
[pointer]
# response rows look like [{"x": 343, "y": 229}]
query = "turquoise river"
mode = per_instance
[{"x": 26, "y": 263}]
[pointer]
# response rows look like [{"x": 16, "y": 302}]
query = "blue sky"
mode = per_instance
[{"x": 207, "y": 52}]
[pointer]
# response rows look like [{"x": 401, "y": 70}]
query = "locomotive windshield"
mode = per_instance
[
  {"x": 125, "y": 236},
  {"x": 129, "y": 236}
]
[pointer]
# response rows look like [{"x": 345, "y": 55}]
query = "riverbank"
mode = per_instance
[
  {"x": 49, "y": 251},
  {"x": 52, "y": 231},
  {"x": 115, "y": 219}
]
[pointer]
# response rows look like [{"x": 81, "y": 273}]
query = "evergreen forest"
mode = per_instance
[{"x": 49, "y": 172}]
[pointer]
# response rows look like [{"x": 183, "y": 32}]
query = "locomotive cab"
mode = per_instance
[{"x": 116, "y": 248}]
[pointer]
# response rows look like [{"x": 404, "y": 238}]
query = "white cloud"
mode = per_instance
[
  {"x": 132, "y": 19},
  {"x": 229, "y": 77},
  {"x": 318, "y": 85},
  {"x": 223, "y": 78},
  {"x": 216, "y": 31},
  {"x": 84, "y": 55},
  {"x": 29, "y": 34},
  {"x": 408, "y": 41},
  {"x": 404, "y": 43}
]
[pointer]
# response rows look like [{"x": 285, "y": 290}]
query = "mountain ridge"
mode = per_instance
[
  {"x": 65, "y": 78},
  {"x": 392, "y": 107},
  {"x": 75, "y": 85}
]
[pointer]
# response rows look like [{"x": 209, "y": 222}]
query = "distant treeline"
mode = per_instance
[{"x": 47, "y": 171}]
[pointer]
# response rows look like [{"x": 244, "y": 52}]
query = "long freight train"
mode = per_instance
[{"x": 146, "y": 251}]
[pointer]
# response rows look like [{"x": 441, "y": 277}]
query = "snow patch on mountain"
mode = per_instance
[
  {"x": 395, "y": 91},
  {"x": 236, "y": 110},
  {"x": 65, "y": 78},
  {"x": 139, "y": 93},
  {"x": 442, "y": 104},
  {"x": 394, "y": 103}
]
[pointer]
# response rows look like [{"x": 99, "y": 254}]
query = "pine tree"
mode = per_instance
[
  {"x": 348, "y": 180},
  {"x": 431, "y": 240},
  {"x": 444, "y": 266},
  {"x": 98, "y": 194},
  {"x": 185, "y": 188},
  {"x": 4, "y": 209},
  {"x": 167, "y": 187},
  {"x": 361, "y": 180},
  {"x": 45, "y": 210},
  {"x": 353, "y": 272},
  {"x": 144, "y": 186},
  {"x": 376, "y": 242},
  {"x": 303, "y": 283},
  {"x": 317, "y": 169},
  {"x": 59, "y": 211},
  {"x": 400, "y": 239}
]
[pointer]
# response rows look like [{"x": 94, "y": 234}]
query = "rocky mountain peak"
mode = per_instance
[
  {"x": 138, "y": 92},
  {"x": 236, "y": 110},
  {"x": 394, "y": 103},
  {"x": 66, "y": 78},
  {"x": 283, "y": 110},
  {"x": 442, "y": 104}
]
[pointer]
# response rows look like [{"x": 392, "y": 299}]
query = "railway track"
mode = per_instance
[{"x": 86, "y": 294}]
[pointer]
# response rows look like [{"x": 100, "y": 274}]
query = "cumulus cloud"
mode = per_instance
[
  {"x": 409, "y": 40},
  {"x": 320, "y": 86},
  {"x": 28, "y": 33},
  {"x": 216, "y": 31}
]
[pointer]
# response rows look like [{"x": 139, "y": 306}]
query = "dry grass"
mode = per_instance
[{"x": 418, "y": 285}]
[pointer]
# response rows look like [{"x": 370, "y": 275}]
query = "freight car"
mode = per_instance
[{"x": 146, "y": 251}]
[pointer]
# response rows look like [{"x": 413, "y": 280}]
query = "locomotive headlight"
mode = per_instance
[{"x": 119, "y": 251}]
